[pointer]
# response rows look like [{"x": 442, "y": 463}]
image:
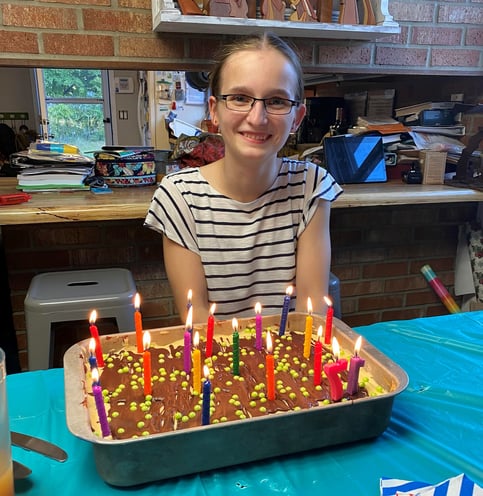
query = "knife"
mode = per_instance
[
  {"x": 38, "y": 445},
  {"x": 20, "y": 471}
]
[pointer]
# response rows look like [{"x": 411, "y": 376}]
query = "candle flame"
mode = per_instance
[
  {"x": 190, "y": 295},
  {"x": 234, "y": 324},
  {"x": 189, "y": 319},
  {"x": 213, "y": 308},
  {"x": 289, "y": 291},
  {"x": 146, "y": 340},
  {"x": 335, "y": 348},
  {"x": 269, "y": 343},
  {"x": 196, "y": 339},
  {"x": 357, "y": 347},
  {"x": 93, "y": 317},
  {"x": 137, "y": 301},
  {"x": 328, "y": 301},
  {"x": 309, "y": 305},
  {"x": 258, "y": 307},
  {"x": 206, "y": 372},
  {"x": 319, "y": 333},
  {"x": 92, "y": 346},
  {"x": 95, "y": 375}
]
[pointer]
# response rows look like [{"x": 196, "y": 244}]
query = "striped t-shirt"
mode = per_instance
[{"x": 247, "y": 249}]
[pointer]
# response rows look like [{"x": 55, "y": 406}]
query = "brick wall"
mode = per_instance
[
  {"x": 437, "y": 37},
  {"x": 377, "y": 254}
]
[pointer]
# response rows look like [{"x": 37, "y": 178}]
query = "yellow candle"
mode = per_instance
[
  {"x": 196, "y": 359},
  {"x": 308, "y": 329}
]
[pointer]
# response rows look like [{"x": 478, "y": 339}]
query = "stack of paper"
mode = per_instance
[{"x": 54, "y": 178}]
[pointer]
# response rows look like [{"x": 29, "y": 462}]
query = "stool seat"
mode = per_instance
[{"x": 72, "y": 295}]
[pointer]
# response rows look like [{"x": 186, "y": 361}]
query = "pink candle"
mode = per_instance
[
  {"x": 332, "y": 371},
  {"x": 147, "y": 363},
  {"x": 258, "y": 326},
  {"x": 209, "y": 331},
  {"x": 318, "y": 358},
  {"x": 95, "y": 334},
  {"x": 328, "y": 320},
  {"x": 187, "y": 341},
  {"x": 356, "y": 362},
  {"x": 99, "y": 401},
  {"x": 138, "y": 323}
]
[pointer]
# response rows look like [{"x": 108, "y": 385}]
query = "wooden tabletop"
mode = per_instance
[{"x": 133, "y": 202}]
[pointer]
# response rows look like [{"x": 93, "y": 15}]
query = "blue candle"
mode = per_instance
[
  {"x": 205, "y": 410},
  {"x": 286, "y": 304},
  {"x": 92, "y": 354}
]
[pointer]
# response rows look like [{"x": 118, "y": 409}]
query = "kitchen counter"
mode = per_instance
[{"x": 133, "y": 202}]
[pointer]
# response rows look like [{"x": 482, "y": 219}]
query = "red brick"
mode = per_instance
[
  {"x": 18, "y": 42},
  {"x": 362, "y": 319},
  {"x": 380, "y": 302},
  {"x": 135, "y": 4},
  {"x": 387, "y": 269},
  {"x": 78, "y": 44},
  {"x": 410, "y": 11},
  {"x": 403, "y": 314},
  {"x": 455, "y": 58},
  {"x": 114, "y": 257},
  {"x": 79, "y": 2},
  {"x": 39, "y": 17},
  {"x": 397, "y": 39},
  {"x": 109, "y": 20},
  {"x": 62, "y": 235},
  {"x": 427, "y": 35},
  {"x": 403, "y": 284},
  {"x": 459, "y": 14},
  {"x": 474, "y": 36},
  {"x": 344, "y": 54},
  {"x": 152, "y": 48},
  {"x": 401, "y": 56},
  {"x": 362, "y": 287},
  {"x": 203, "y": 48}
]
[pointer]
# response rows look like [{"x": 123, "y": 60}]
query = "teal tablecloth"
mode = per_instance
[{"x": 436, "y": 430}]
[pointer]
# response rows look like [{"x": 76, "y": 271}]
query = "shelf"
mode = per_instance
[{"x": 167, "y": 18}]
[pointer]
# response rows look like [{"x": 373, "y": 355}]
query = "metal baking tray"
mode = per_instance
[{"x": 162, "y": 456}]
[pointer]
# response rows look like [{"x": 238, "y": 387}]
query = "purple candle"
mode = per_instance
[
  {"x": 286, "y": 303},
  {"x": 99, "y": 400},
  {"x": 356, "y": 363},
  {"x": 187, "y": 341},
  {"x": 205, "y": 409},
  {"x": 258, "y": 326}
]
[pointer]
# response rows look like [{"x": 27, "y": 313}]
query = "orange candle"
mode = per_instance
[
  {"x": 270, "y": 369},
  {"x": 209, "y": 331},
  {"x": 308, "y": 329},
  {"x": 196, "y": 359},
  {"x": 328, "y": 320},
  {"x": 95, "y": 334},
  {"x": 138, "y": 323},
  {"x": 147, "y": 363}
]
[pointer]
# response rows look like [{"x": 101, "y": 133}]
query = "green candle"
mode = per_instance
[{"x": 236, "y": 348}]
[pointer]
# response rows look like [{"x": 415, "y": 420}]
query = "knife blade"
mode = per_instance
[
  {"x": 20, "y": 471},
  {"x": 31, "y": 443}
]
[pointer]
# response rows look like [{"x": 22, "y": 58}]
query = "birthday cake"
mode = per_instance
[{"x": 173, "y": 402}]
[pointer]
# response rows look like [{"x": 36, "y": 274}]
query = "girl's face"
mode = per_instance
[{"x": 256, "y": 135}]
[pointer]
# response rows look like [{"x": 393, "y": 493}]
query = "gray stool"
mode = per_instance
[
  {"x": 334, "y": 293},
  {"x": 72, "y": 295}
]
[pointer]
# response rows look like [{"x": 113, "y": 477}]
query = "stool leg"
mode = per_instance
[
  {"x": 38, "y": 341},
  {"x": 125, "y": 319}
]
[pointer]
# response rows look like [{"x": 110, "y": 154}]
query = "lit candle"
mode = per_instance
[
  {"x": 189, "y": 297},
  {"x": 147, "y": 363},
  {"x": 95, "y": 334},
  {"x": 328, "y": 320},
  {"x": 236, "y": 348},
  {"x": 209, "y": 331},
  {"x": 187, "y": 341},
  {"x": 270, "y": 369},
  {"x": 196, "y": 358},
  {"x": 92, "y": 356},
  {"x": 332, "y": 371},
  {"x": 318, "y": 358},
  {"x": 99, "y": 401},
  {"x": 138, "y": 323},
  {"x": 205, "y": 408},
  {"x": 356, "y": 362},
  {"x": 286, "y": 304},
  {"x": 308, "y": 329},
  {"x": 258, "y": 326}
]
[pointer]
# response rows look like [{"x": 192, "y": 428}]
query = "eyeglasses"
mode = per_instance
[{"x": 244, "y": 103}]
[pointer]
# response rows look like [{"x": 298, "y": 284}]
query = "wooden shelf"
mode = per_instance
[{"x": 167, "y": 18}]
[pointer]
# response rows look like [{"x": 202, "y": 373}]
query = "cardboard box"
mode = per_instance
[{"x": 433, "y": 166}]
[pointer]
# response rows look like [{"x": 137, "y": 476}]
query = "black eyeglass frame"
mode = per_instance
[{"x": 293, "y": 103}]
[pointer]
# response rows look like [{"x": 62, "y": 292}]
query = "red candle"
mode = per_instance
[
  {"x": 308, "y": 329},
  {"x": 95, "y": 334},
  {"x": 138, "y": 323},
  {"x": 328, "y": 320},
  {"x": 332, "y": 371},
  {"x": 356, "y": 362},
  {"x": 147, "y": 363},
  {"x": 258, "y": 326},
  {"x": 270, "y": 369},
  {"x": 209, "y": 331},
  {"x": 318, "y": 358}
]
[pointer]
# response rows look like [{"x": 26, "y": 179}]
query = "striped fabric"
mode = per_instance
[
  {"x": 247, "y": 249},
  {"x": 460, "y": 485}
]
